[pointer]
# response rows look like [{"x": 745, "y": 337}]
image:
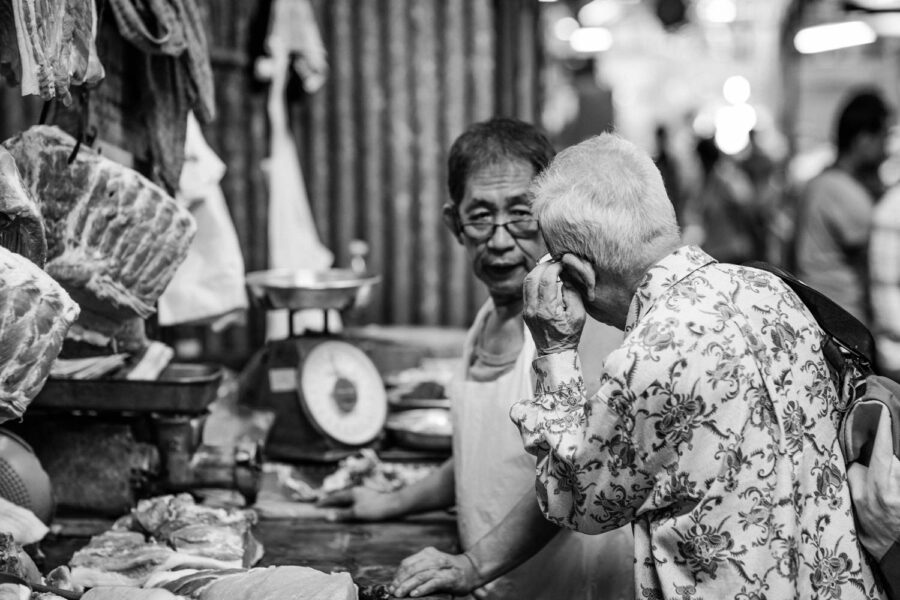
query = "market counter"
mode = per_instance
[{"x": 370, "y": 552}]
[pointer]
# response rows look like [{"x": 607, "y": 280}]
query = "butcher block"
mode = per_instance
[{"x": 369, "y": 552}]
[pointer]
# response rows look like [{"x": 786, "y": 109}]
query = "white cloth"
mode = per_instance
[
  {"x": 21, "y": 523},
  {"x": 209, "y": 284},
  {"x": 493, "y": 472},
  {"x": 293, "y": 239},
  {"x": 294, "y": 23}
]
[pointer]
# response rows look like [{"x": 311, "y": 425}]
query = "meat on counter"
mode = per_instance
[{"x": 166, "y": 533}]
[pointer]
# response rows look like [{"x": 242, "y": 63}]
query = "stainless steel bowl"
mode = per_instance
[{"x": 306, "y": 289}]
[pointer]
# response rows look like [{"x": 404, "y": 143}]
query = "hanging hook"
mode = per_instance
[
  {"x": 82, "y": 125},
  {"x": 45, "y": 112}
]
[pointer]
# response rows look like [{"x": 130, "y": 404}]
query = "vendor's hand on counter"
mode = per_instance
[
  {"x": 432, "y": 571},
  {"x": 554, "y": 311},
  {"x": 360, "y": 504}
]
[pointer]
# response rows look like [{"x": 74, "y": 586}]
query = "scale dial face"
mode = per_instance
[{"x": 343, "y": 393}]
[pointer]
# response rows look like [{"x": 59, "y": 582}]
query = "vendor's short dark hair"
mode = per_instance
[
  {"x": 488, "y": 142},
  {"x": 865, "y": 112}
]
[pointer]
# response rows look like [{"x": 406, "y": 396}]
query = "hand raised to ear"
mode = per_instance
[{"x": 553, "y": 310}]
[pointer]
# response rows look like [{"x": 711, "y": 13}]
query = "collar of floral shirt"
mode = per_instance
[{"x": 661, "y": 277}]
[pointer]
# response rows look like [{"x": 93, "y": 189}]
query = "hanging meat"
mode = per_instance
[
  {"x": 114, "y": 239},
  {"x": 48, "y": 45},
  {"x": 21, "y": 225},
  {"x": 35, "y": 313}
]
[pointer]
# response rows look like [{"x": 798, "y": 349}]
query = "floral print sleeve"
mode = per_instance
[{"x": 713, "y": 432}]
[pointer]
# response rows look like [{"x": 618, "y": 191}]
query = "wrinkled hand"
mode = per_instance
[
  {"x": 432, "y": 571},
  {"x": 554, "y": 311},
  {"x": 360, "y": 504},
  {"x": 876, "y": 493}
]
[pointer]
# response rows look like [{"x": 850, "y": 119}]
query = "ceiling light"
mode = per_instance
[
  {"x": 564, "y": 28},
  {"x": 822, "y": 38},
  {"x": 742, "y": 116},
  {"x": 884, "y": 24},
  {"x": 717, "y": 11},
  {"x": 599, "y": 12},
  {"x": 736, "y": 89},
  {"x": 874, "y": 5},
  {"x": 732, "y": 140},
  {"x": 591, "y": 39}
]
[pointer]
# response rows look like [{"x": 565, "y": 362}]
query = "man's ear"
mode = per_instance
[
  {"x": 581, "y": 272},
  {"x": 451, "y": 220}
]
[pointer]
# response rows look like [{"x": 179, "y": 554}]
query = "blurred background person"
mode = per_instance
[
  {"x": 668, "y": 168},
  {"x": 723, "y": 217},
  {"x": 835, "y": 209}
]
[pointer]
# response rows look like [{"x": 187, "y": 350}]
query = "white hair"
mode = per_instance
[{"x": 604, "y": 200}]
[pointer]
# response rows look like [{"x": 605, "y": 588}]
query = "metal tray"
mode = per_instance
[
  {"x": 410, "y": 430},
  {"x": 421, "y": 441},
  {"x": 306, "y": 289},
  {"x": 186, "y": 388}
]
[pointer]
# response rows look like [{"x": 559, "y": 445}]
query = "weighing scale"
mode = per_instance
[{"x": 327, "y": 395}]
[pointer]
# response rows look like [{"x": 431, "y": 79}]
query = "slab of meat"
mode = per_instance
[
  {"x": 55, "y": 40},
  {"x": 127, "y": 558},
  {"x": 189, "y": 583},
  {"x": 282, "y": 583},
  {"x": 35, "y": 313},
  {"x": 15, "y": 561},
  {"x": 190, "y": 528},
  {"x": 272, "y": 583},
  {"x": 21, "y": 224},
  {"x": 127, "y": 593},
  {"x": 114, "y": 238}
]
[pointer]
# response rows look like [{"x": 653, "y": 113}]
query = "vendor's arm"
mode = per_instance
[
  {"x": 518, "y": 537},
  {"x": 435, "y": 491}
]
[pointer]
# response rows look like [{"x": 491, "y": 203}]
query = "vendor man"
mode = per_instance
[
  {"x": 713, "y": 431},
  {"x": 511, "y": 550}
]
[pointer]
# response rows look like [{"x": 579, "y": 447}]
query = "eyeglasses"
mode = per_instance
[{"x": 482, "y": 231}]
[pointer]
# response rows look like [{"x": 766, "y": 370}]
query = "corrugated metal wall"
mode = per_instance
[{"x": 406, "y": 77}]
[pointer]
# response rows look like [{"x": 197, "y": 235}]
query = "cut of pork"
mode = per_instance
[
  {"x": 191, "y": 528},
  {"x": 282, "y": 583},
  {"x": 35, "y": 313},
  {"x": 114, "y": 238},
  {"x": 125, "y": 558},
  {"x": 21, "y": 225},
  {"x": 55, "y": 46}
]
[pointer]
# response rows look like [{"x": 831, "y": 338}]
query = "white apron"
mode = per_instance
[{"x": 493, "y": 472}]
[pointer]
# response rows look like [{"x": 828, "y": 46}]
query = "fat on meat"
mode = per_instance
[
  {"x": 282, "y": 583},
  {"x": 35, "y": 313},
  {"x": 55, "y": 46},
  {"x": 114, "y": 238},
  {"x": 21, "y": 224}
]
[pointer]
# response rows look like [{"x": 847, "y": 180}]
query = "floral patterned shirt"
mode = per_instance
[{"x": 714, "y": 432}]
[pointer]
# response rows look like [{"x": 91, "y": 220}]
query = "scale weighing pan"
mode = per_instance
[{"x": 299, "y": 289}]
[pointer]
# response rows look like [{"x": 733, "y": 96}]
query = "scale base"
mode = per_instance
[{"x": 269, "y": 382}]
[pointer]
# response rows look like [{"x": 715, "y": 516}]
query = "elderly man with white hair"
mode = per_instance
[{"x": 713, "y": 431}]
